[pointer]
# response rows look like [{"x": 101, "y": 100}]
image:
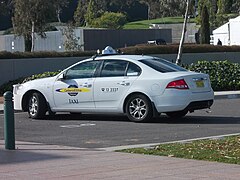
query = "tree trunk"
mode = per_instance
[
  {"x": 149, "y": 11},
  {"x": 58, "y": 15},
  {"x": 28, "y": 43},
  {"x": 179, "y": 56},
  {"x": 33, "y": 37}
]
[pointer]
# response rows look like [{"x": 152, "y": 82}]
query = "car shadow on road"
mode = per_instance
[
  {"x": 199, "y": 120},
  {"x": 159, "y": 120},
  {"x": 86, "y": 117}
]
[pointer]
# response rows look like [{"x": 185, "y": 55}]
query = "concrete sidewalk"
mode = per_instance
[{"x": 39, "y": 161}]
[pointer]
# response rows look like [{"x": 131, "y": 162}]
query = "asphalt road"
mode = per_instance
[{"x": 101, "y": 131}]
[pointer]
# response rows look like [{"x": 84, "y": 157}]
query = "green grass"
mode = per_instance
[
  {"x": 145, "y": 23},
  {"x": 226, "y": 150}
]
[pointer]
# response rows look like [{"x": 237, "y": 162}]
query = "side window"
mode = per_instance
[
  {"x": 82, "y": 70},
  {"x": 133, "y": 70},
  {"x": 113, "y": 68}
]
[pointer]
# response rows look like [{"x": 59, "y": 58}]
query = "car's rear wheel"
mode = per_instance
[
  {"x": 37, "y": 107},
  {"x": 139, "y": 108},
  {"x": 177, "y": 114}
]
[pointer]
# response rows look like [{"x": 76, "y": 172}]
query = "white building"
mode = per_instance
[{"x": 228, "y": 33}]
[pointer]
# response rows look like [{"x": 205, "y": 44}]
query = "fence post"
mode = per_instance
[{"x": 9, "y": 129}]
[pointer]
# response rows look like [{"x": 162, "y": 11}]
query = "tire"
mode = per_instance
[
  {"x": 177, "y": 114},
  {"x": 51, "y": 113},
  {"x": 139, "y": 108},
  {"x": 37, "y": 107}
]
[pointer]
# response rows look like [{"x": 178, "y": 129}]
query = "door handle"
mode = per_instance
[
  {"x": 123, "y": 83},
  {"x": 87, "y": 85}
]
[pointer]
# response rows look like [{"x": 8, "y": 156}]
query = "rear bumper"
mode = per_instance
[
  {"x": 175, "y": 100},
  {"x": 199, "y": 105}
]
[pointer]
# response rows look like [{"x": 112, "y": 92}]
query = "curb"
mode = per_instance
[
  {"x": 227, "y": 95},
  {"x": 152, "y": 145}
]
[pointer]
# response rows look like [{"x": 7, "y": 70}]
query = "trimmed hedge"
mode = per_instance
[
  {"x": 39, "y": 76},
  {"x": 224, "y": 75},
  {"x": 9, "y": 85},
  {"x": 173, "y": 49},
  {"x": 44, "y": 54},
  {"x": 138, "y": 49}
]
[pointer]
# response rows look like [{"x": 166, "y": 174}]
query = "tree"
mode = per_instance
[
  {"x": 222, "y": 7},
  {"x": 212, "y": 11},
  {"x": 71, "y": 42},
  {"x": 30, "y": 17},
  {"x": 79, "y": 14},
  {"x": 151, "y": 4},
  {"x": 121, "y": 4},
  {"x": 179, "y": 56},
  {"x": 172, "y": 7},
  {"x": 87, "y": 10},
  {"x": 58, "y": 6},
  {"x": 91, "y": 13},
  {"x": 5, "y": 6},
  {"x": 205, "y": 26},
  {"x": 236, "y": 6},
  {"x": 110, "y": 20}
]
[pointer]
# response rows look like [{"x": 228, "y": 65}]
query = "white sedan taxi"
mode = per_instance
[{"x": 139, "y": 86}]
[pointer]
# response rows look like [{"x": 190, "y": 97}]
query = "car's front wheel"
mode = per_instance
[
  {"x": 37, "y": 107},
  {"x": 139, "y": 108}
]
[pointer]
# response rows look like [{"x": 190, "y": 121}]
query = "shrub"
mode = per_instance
[
  {"x": 173, "y": 49},
  {"x": 224, "y": 75},
  {"x": 44, "y": 54},
  {"x": 9, "y": 85},
  {"x": 138, "y": 49},
  {"x": 110, "y": 20},
  {"x": 39, "y": 76}
]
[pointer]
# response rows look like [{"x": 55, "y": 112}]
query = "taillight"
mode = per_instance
[{"x": 178, "y": 84}]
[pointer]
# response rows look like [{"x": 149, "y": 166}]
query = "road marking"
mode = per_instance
[
  {"x": 77, "y": 125},
  {"x": 115, "y": 148}
]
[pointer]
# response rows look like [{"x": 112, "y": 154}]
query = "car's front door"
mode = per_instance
[
  {"x": 116, "y": 77},
  {"x": 75, "y": 90}
]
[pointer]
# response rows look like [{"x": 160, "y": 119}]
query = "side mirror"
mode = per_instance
[{"x": 61, "y": 77}]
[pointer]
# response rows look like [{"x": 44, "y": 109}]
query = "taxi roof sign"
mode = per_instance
[{"x": 109, "y": 50}]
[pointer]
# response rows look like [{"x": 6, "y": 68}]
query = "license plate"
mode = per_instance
[{"x": 200, "y": 84}]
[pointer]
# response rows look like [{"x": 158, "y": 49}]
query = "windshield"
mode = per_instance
[{"x": 162, "y": 65}]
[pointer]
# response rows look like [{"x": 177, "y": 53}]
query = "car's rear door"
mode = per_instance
[{"x": 116, "y": 77}]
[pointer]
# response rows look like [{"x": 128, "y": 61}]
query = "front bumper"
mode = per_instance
[{"x": 17, "y": 97}]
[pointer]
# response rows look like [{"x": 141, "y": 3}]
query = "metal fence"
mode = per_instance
[
  {"x": 52, "y": 42},
  {"x": 87, "y": 39}
]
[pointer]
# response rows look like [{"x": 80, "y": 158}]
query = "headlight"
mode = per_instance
[{"x": 16, "y": 88}]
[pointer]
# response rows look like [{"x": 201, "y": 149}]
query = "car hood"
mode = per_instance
[{"x": 41, "y": 81}]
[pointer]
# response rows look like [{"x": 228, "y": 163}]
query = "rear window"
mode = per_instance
[{"x": 162, "y": 65}]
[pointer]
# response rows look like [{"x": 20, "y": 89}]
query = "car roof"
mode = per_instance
[{"x": 123, "y": 57}]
